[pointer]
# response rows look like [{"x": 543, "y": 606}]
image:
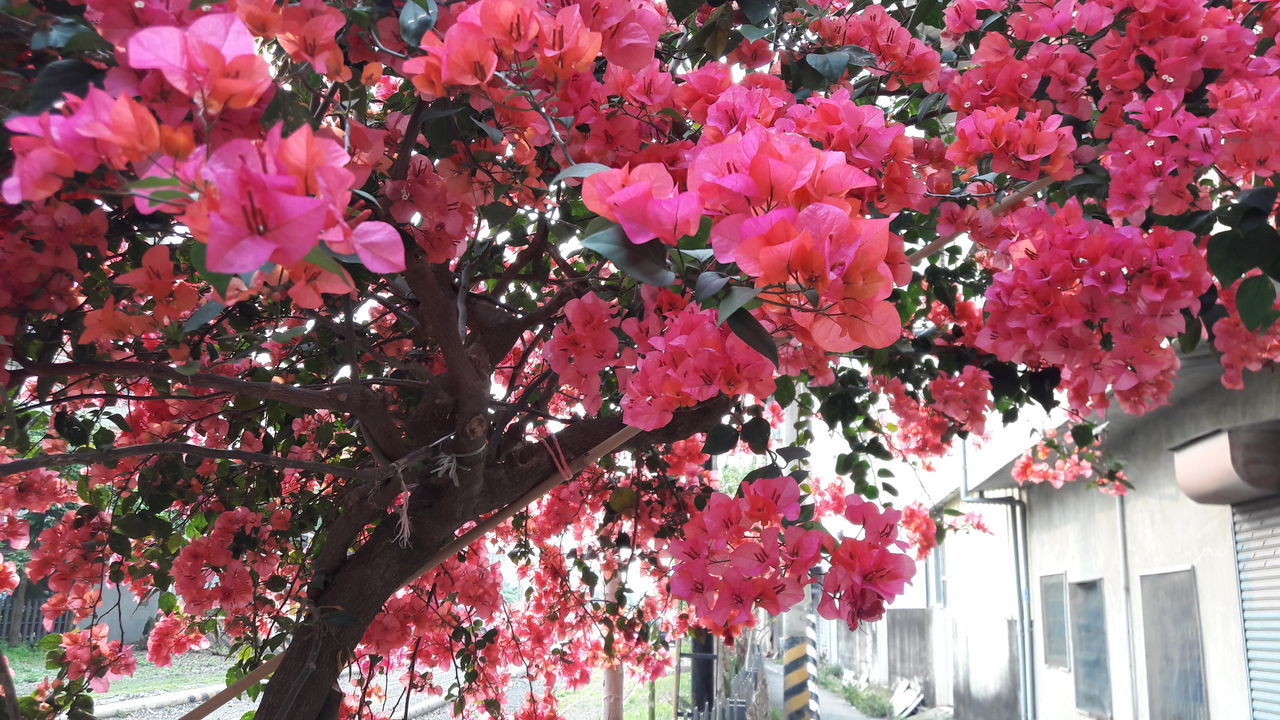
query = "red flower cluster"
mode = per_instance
[
  {"x": 736, "y": 555},
  {"x": 1095, "y": 300},
  {"x": 867, "y": 572}
]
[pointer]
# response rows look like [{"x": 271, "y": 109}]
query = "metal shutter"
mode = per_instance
[{"x": 1257, "y": 536}]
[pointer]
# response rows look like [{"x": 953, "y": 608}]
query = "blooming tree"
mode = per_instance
[{"x": 303, "y": 304}]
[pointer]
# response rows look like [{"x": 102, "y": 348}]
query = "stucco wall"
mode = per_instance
[{"x": 1076, "y": 530}]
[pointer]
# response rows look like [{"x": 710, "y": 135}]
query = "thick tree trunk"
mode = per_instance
[
  {"x": 365, "y": 580},
  {"x": 19, "y": 604},
  {"x": 322, "y": 648},
  {"x": 9, "y": 706}
]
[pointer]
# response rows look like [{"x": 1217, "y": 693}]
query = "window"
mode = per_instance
[
  {"x": 938, "y": 576},
  {"x": 1089, "y": 648},
  {"x": 1171, "y": 636},
  {"x": 1053, "y": 608}
]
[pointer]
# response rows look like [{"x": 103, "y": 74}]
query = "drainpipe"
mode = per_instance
[
  {"x": 1128, "y": 604},
  {"x": 1021, "y": 570}
]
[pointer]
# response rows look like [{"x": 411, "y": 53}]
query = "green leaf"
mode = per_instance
[
  {"x": 1190, "y": 336},
  {"x": 1082, "y": 435},
  {"x": 785, "y": 391},
  {"x": 757, "y": 11},
  {"x": 1228, "y": 256},
  {"x": 734, "y": 300},
  {"x": 58, "y": 77},
  {"x": 720, "y": 439},
  {"x": 497, "y": 213},
  {"x": 623, "y": 499},
  {"x": 1041, "y": 384},
  {"x": 202, "y": 316},
  {"x": 1255, "y": 299},
  {"x": 708, "y": 283},
  {"x": 831, "y": 65},
  {"x": 1261, "y": 199},
  {"x": 493, "y": 133},
  {"x": 792, "y": 453},
  {"x": 929, "y": 102},
  {"x": 167, "y": 602},
  {"x": 682, "y": 9},
  {"x": 417, "y": 18},
  {"x": 756, "y": 432},
  {"x": 52, "y": 641},
  {"x": 155, "y": 181},
  {"x": 767, "y": 471},
  {"x": 750, "y": 331},
  {"x": 70, "y": 34},
  {"x": 646, "y": 262},
  {"x": 580, "y": 170},
  {"x": 133, "y": 526},
  {"x": 753, "y": 33},
  {"x": 323, "y": 259},
  {"x": 292, "y": 333}
]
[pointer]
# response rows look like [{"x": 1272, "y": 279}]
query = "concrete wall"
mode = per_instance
[
  {"x": 1076, "y": 531},
  {"x": 986, "y": 669},
  {"x": 911, "y": 649}
]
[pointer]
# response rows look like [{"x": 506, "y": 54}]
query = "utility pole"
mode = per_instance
[
  {"x": 703, "y": 677},
  {"x": 799, "y": 661}
]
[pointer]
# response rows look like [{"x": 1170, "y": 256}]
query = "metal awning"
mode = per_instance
[{"x": 1230, "y": 466}]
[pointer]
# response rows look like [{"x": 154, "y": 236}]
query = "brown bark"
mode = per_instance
[
  {"x": 19, "y": 602},
  {"x": 9, "y": 707},
  {"x": 347, "y": 601}
]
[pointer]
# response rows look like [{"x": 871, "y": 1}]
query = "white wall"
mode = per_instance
[{"x": 1076, "y": 530}]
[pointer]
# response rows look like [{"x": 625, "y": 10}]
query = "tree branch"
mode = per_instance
[
  {"x": 337, "y": 397},
  {"x": 97, "y": 457},
  {"x": 1000, "y": 208}
]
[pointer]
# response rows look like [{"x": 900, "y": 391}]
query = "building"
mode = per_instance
[{"x": 1162, "y": 605}]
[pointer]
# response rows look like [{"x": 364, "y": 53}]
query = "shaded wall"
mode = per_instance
[
  {"x": 911, "y": 649},
  {"x": 986, "y": 670}
]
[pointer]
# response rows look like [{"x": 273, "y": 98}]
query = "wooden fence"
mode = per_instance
[{"x": 29, "y": 619}]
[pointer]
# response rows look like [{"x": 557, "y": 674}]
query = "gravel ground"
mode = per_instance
[{"x": 233, "y": 710}]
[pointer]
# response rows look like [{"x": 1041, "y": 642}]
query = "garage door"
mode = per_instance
[{"x": 1257, "y": 530}]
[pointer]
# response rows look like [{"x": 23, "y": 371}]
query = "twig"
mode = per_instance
[
  {"x": 103, "y": 456},
  {"x": 1000, "y": 208}
]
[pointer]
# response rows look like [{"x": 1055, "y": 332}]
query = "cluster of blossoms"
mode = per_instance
[
  {"x": 71, "y": 557},
  {"x": 1242, "y": 349},
  {"x": 685, "y": 357},
  {"x": 38, "y": 263},
  {"x": 583, "y": 346},
  {"x": 746, "y": 552},
  {"x": 252, "y": 201},
  {"x": 1025, "y": 148},
  {"x": 220, "y": 569},
  {"x": 91, "y": 655},
  {"x": 788, "y": 214},
  {"x": 1181, "y": 88},
  {"x": 1096, "y": 301},
  {"x": 738, "y": 554},
  {"x": 960, "y": 402},
  {"x": 922, "y": 529},
  {"x": 34, "y": 491},
  {"x": 1059, "y": 461},
  {"x": 868, "y": 572},
  {"x": 172, "y": 635}
]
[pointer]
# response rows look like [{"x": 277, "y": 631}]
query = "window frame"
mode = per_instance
[{"x": 1063, "y": 661}]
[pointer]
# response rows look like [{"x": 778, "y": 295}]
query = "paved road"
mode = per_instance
[{"x": 830, "y": 705}]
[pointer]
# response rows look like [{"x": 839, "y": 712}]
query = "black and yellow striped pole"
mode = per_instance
[{"x": 799, "y": 663}]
